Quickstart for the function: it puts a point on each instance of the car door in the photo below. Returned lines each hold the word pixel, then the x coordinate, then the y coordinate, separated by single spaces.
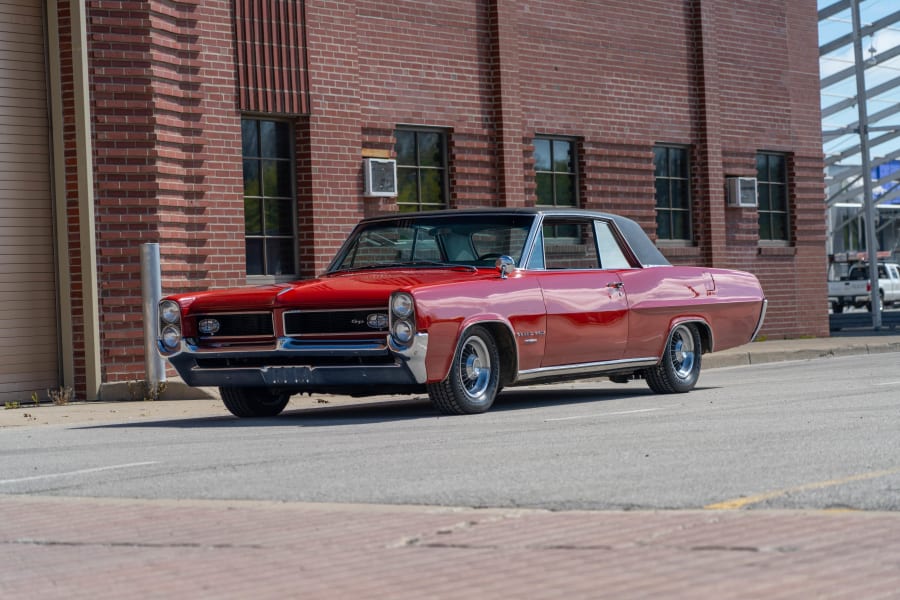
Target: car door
pixel 587 309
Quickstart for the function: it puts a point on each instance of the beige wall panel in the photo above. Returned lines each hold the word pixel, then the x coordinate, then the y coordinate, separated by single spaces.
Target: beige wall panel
pixel 29 341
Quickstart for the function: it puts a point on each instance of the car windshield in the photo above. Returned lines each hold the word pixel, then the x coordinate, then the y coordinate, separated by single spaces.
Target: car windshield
pixel 466 240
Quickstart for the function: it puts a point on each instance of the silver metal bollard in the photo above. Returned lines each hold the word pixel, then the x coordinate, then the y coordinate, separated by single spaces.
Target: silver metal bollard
pixel 151 293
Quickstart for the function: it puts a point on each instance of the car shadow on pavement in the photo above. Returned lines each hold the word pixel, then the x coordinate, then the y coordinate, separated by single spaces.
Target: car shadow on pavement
pixel 401 409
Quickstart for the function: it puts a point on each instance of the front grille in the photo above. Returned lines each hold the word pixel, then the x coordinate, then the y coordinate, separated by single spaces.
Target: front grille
pixel 239 325
pixel 335 322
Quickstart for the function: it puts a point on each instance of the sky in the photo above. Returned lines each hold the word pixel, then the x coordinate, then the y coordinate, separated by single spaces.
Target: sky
pixel 880 41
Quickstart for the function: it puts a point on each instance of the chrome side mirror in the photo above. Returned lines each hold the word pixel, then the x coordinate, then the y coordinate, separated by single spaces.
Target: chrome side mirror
pixel 505 265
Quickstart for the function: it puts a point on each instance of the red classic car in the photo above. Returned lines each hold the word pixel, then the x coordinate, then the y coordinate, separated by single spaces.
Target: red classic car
pixel 461 304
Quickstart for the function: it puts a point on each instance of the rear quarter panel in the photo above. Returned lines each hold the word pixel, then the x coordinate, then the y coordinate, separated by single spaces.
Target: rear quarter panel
pixel 729 302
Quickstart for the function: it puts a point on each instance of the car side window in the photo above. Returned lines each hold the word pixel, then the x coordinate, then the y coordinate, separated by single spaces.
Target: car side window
pixel 611 255
pixel 569 244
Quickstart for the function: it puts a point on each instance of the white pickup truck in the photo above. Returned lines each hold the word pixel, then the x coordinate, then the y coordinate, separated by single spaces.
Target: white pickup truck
pixel 854 289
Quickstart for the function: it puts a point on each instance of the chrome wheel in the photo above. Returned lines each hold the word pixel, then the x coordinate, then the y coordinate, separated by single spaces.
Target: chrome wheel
pixel 682 351
pixel 473 380
pixel 679 365
pixel 475 367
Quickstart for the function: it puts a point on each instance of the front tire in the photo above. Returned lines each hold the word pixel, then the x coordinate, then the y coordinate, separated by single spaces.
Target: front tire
pixel 253 402
pixel 679 369
pixel 474 378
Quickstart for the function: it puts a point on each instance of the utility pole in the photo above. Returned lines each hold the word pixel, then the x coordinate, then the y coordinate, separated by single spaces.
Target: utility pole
pixel 868 200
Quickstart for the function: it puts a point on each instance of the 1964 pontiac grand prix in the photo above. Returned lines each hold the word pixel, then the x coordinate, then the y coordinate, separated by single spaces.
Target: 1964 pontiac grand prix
pixel 461 304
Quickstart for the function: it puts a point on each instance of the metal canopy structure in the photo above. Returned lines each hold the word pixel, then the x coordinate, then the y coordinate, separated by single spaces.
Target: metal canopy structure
pixel 861 117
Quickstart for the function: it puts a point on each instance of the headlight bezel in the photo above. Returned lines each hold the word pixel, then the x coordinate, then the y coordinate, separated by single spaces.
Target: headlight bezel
pixel 169 312
pixel 402 311
pixel 402 305
pixel 170 337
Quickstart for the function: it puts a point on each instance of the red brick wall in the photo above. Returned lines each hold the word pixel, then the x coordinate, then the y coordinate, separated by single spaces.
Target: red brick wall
pixel 726 77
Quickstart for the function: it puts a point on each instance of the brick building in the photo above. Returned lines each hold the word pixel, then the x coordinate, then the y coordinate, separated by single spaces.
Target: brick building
pixel 233 133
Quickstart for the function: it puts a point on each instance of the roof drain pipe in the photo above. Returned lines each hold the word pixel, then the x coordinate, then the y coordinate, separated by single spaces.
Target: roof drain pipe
pixel 151 294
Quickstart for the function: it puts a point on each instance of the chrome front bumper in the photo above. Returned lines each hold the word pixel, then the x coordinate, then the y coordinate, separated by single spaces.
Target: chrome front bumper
pixel 305 366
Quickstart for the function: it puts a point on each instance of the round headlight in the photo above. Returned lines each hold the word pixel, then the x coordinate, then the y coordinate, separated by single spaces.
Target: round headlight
pixel 402 331
pixel 402 305
pixel 171 335
pixel 169 311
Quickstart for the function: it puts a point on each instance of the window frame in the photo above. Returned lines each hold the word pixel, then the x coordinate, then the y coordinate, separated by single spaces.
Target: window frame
pixel 574 173
pixel 671 180
pixel 260 159
pixel 765 185
pixel 444 169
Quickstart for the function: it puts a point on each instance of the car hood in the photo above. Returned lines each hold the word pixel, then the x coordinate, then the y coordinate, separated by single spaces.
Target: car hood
pixel 340 290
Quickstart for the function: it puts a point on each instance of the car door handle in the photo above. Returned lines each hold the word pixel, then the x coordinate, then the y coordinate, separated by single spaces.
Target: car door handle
pixel 618 285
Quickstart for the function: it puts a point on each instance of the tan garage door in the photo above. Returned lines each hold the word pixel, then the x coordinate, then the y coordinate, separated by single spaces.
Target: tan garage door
pixel 28 330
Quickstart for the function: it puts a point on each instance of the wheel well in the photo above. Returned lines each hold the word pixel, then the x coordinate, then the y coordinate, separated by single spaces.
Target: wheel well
pixel 706 340
pixel 506 344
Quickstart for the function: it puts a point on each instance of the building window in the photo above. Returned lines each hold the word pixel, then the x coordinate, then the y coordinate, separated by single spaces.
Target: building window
pixel 269 231
pixel 771 176
pixel 673 192
pixel 421 169
pixel 556 173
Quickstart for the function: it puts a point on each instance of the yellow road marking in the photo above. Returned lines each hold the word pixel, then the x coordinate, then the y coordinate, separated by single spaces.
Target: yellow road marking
pixel 747 500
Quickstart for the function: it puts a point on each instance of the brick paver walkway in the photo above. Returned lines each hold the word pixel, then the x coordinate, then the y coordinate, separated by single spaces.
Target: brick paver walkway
pixel 107 548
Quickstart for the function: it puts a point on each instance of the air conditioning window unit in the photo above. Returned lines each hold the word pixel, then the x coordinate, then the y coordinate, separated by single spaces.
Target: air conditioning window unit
pixel 381 177
pixel 741 191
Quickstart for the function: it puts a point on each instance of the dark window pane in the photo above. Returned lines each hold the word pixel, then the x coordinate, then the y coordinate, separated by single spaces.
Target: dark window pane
pixel 279 217
pixel 251 178
pixel 542 155
pixel 779 226
pixel 562 156
pixel 407 188
pixel 277 178
pixel 255 256
pixel 764 200
pixel 680 225
pixel 544 188
pixel 677 162
pixel 431 152
pixel 662 194
pixel 777 168
pixel 252 216
pixel 660 162
pixel 762 167
pixel 565 190
pixel 405 147
pixel 680 194
pixel 279 256
pixel 275 139
pixel 765 225
pixel 663 228
pixel 432 191
pixel 249 138
pixel 778 197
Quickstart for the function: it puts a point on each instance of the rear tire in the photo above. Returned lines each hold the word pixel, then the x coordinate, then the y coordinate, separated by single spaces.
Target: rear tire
pixel 474 378
pixel 253 402
pixel 679 368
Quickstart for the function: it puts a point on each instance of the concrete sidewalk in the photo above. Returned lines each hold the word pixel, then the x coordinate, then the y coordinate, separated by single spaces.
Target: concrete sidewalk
pixel 181 402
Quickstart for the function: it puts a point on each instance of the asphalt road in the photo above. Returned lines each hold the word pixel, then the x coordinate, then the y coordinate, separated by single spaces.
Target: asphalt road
pixel 813 434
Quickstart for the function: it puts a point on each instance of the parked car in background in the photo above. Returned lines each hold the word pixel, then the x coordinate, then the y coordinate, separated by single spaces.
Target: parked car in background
pixel 856 290
pixel 462 304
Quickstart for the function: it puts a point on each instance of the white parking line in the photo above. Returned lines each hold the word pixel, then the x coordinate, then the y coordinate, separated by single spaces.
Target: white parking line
pixel 609 414
pixel 888 383
pixel 79 472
